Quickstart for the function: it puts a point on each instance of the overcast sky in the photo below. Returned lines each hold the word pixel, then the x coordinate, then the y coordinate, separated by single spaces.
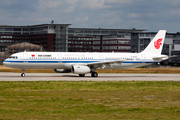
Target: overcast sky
pixel 152 15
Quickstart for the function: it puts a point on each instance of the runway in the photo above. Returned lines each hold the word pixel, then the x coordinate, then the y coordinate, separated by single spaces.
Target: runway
pixel 7 76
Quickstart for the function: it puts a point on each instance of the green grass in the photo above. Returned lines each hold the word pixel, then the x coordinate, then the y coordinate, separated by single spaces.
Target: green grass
pixel 90 100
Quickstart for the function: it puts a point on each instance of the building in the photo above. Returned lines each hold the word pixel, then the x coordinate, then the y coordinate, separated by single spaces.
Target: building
pixel 112 43
pixel 80 44
pixel 139 41
pixel 171 46
pixel 6 49
pixel 99 39
pixel 59 37
pixel 53 37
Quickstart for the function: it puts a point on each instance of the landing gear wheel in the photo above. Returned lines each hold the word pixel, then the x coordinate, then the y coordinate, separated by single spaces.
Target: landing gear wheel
pixel 22 75
pixel 94 74
pixel 81 75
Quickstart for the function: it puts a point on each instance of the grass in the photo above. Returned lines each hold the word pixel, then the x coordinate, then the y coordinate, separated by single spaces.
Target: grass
pixel 132 70
pixel 90 100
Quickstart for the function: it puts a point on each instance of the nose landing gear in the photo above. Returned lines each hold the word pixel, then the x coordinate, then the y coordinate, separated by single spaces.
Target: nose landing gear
pixel 23 73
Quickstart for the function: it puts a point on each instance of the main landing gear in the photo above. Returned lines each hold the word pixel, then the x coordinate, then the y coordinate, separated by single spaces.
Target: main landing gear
pixel 23 73
pixel 81 75
pixel 93 74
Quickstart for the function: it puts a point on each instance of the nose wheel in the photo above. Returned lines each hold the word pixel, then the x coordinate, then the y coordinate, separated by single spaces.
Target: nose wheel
pixel 23 73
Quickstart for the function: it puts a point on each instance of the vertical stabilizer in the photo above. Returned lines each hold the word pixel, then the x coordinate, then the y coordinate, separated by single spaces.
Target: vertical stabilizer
pixel 156 45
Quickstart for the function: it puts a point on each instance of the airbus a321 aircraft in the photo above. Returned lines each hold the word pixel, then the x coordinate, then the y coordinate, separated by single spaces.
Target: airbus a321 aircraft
pixel 83 63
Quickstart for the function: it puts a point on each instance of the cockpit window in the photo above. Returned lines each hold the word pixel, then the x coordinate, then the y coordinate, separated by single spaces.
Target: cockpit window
pixel 13 57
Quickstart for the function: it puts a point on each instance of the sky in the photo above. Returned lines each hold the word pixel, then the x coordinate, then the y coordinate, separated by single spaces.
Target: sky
pixel 151 15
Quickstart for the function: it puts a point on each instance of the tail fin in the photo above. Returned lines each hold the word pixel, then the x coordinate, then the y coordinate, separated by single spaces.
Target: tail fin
pixel 156 45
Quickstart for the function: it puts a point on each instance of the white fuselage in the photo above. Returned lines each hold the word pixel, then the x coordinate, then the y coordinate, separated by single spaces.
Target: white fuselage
pixel 65 60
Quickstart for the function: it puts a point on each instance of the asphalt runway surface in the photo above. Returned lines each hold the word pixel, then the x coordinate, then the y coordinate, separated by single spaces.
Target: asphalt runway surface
pixel 7 76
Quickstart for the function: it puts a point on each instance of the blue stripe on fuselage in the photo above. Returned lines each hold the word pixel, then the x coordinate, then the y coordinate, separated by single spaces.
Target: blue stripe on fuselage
pixel 73 61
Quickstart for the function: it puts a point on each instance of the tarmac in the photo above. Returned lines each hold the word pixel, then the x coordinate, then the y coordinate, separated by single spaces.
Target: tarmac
pixel 7 76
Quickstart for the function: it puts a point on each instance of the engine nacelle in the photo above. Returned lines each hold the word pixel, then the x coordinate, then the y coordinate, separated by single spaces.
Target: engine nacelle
pixel 62 70
pixel 76 69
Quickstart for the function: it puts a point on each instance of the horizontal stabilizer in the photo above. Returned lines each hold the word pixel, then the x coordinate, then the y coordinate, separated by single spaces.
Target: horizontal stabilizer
pixel 160 58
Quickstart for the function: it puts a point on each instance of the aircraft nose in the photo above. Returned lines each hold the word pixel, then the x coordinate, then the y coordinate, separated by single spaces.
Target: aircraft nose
pixel 9 64
pixel 5 63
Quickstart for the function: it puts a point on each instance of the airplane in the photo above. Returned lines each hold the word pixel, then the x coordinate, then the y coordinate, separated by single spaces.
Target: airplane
pixel 83 63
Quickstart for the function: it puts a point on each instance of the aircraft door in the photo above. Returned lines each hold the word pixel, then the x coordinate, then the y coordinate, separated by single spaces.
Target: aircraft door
pixel 143 57
pixel 25 57
pixel 59 58
pixel 101 57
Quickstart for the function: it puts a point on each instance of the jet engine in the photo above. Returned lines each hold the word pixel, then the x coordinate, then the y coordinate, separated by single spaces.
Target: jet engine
pixel 62 70
pixel 76 69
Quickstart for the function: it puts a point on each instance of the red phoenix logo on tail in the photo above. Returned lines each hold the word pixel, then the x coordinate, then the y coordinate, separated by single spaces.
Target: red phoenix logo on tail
pixel 157 44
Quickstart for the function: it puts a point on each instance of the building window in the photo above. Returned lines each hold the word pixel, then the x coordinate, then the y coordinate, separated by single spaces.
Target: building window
pixel 78 31
pixel 105 32
pixel 16 33
pixel 7 32
pixel 16 29
pixel 70 31
pixel 25 29
pixel 87 31
pixel 141 35
pixel 147 35
pixel 7 29
pixel 113 32
pixel 141 41
pixel 51 27
pixel 97 32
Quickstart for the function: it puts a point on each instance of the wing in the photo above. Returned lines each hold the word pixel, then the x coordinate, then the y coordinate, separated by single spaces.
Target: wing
pixel 102 64
pixel 106 62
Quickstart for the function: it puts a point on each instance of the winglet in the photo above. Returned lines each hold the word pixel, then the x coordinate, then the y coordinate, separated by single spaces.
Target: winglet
pixel 156 45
